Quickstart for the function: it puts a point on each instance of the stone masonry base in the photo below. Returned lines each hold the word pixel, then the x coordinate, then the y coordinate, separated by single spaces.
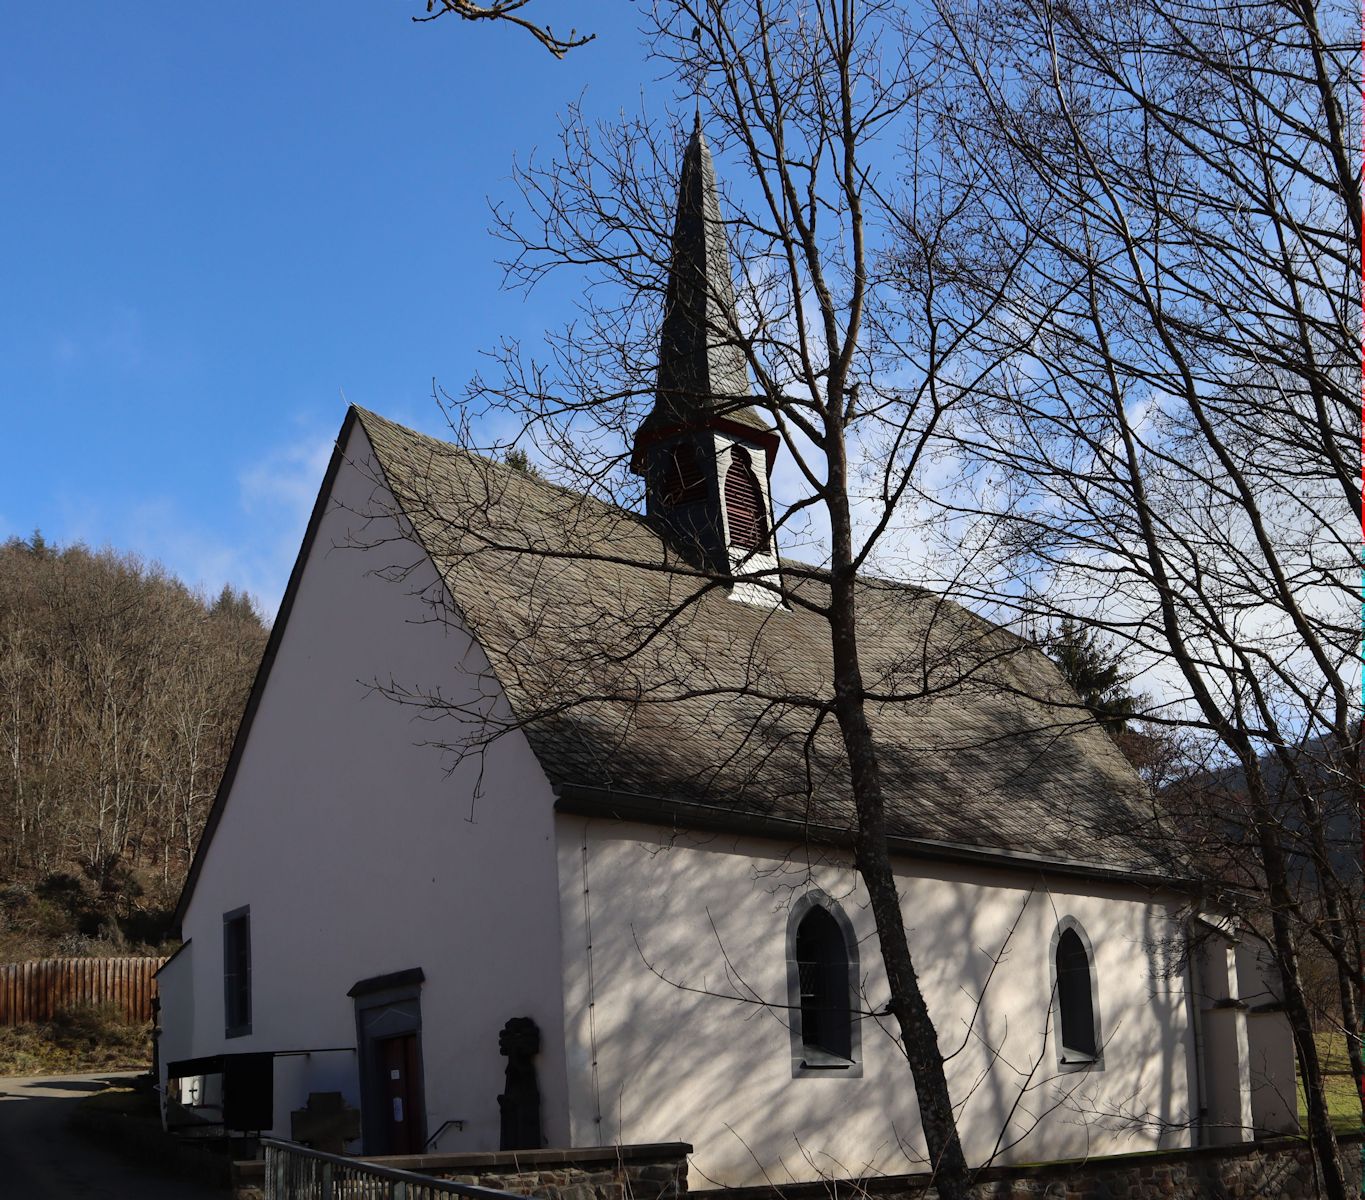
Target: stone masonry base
pixel 1274 1169
pixel 651 1172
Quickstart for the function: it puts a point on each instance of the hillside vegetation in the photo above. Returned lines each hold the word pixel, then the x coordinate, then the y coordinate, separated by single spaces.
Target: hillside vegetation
pixel 92 1037
pixel 120 692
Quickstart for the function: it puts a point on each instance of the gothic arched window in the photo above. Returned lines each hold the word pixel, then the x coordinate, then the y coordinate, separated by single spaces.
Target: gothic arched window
pixel 822 966
pixel 744 507
pixel 822 963
pixel 1076 996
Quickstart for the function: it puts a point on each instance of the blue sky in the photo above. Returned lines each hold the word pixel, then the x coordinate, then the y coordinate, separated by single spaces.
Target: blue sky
pixel 219 218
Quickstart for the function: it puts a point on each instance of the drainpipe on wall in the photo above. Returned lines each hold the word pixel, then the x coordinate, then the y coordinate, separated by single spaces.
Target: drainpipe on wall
pixel 1197 1035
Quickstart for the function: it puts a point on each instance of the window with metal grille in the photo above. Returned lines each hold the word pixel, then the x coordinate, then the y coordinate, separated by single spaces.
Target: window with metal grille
pixel 744 508
pixel 822 964
pixel 237 972
pixel 1075 999
pixel 684 481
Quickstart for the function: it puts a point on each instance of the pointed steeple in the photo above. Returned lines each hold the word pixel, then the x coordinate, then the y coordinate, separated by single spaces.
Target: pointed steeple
pixel 702 368
pixel 701 364
pixel 706 453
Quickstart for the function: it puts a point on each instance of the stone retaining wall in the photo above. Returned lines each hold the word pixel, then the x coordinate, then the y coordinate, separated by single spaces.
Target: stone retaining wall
pixel 652 1172
pixel 657 1172
pixel 1275 1169
pixel 1278 1169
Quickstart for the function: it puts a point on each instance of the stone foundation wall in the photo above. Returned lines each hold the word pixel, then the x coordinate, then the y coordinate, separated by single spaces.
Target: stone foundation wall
pixel 612 1173
pixel 1279 1169
pixel 653 1172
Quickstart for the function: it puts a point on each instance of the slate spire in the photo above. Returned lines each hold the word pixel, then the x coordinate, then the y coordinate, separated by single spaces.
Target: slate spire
pixel 701 365
pixel 704 451
pixel 703 374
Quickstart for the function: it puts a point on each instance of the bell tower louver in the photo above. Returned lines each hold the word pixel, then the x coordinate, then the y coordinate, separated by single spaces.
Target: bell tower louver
pixel 705 452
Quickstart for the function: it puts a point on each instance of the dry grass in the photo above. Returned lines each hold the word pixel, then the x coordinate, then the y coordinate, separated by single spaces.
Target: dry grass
pixel 79 1039
pixel 1332 1052
pixel 1343 1104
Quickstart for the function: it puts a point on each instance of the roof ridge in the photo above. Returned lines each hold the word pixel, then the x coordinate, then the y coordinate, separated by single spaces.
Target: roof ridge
pixel 980 757
pixel 484 460
pixel 803 566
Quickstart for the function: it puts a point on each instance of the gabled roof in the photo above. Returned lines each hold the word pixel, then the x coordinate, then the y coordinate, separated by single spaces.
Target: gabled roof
pixel 708 724
pixel 634 678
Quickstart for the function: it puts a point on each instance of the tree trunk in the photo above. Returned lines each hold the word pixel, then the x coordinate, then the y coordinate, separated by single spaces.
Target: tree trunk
pixel 1320 1134
pixel 919 1038
pixel 918 1035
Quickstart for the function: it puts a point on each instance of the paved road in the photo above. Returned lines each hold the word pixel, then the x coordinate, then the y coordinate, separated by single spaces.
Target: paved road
pixel 40 1159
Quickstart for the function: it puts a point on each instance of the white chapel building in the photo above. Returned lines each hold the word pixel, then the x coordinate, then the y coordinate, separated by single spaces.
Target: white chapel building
pixel 514 753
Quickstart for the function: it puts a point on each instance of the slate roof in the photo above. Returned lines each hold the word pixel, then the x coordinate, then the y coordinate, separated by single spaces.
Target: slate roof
pixel 628 672
pixel 702 368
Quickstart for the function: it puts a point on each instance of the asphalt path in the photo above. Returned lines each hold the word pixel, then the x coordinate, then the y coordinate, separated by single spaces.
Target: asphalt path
pixel 41 1159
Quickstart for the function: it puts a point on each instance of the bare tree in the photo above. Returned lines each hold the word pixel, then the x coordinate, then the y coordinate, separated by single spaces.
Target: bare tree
pixel 820 350
pixel 1175 457
pixel 510 12
pixel 800 96
pixel 120 689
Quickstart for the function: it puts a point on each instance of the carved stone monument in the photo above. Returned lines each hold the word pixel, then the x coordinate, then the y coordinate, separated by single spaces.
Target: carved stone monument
pixel 520 1102
pixel 326 1123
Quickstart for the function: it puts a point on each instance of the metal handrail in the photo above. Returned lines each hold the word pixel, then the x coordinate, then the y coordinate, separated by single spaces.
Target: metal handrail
pixel 404 1185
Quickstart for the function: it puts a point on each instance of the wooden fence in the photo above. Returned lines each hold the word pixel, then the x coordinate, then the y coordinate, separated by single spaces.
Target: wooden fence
pixel 34 991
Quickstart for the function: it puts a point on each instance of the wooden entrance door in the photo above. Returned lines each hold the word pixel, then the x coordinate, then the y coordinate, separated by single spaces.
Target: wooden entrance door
pixel 403 1109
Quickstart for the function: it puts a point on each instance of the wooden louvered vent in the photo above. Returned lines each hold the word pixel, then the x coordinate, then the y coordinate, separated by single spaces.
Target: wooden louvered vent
pixel 685 482
pixel 744 507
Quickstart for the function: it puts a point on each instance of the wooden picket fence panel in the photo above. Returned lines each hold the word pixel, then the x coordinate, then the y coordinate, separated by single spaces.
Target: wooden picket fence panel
pixel 34 991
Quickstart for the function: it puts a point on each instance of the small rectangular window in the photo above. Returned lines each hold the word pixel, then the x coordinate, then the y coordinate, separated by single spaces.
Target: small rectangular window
pixel 237 972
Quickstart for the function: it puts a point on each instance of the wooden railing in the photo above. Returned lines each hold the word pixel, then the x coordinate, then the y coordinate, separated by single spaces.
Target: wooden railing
pixel 35 991
pixel 294 1172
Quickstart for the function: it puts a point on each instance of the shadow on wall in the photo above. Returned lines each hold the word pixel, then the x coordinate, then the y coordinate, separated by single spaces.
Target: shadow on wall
pixel 690 1023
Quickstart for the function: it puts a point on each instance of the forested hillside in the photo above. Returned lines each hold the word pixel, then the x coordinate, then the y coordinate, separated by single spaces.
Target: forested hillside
pixel 120 691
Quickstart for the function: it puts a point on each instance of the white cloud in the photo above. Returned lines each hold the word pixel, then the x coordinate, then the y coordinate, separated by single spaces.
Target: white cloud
pixel 285 481
pixel 117 342
pixel 250 544
pixel 276 495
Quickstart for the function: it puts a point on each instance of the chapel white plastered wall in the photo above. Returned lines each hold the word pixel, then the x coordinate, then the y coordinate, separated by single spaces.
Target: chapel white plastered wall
pixel 675 1063
pixel 359 857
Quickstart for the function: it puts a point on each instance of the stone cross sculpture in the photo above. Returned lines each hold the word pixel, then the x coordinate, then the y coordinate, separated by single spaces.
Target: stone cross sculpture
pixel 520 1102
pixel 326 1123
